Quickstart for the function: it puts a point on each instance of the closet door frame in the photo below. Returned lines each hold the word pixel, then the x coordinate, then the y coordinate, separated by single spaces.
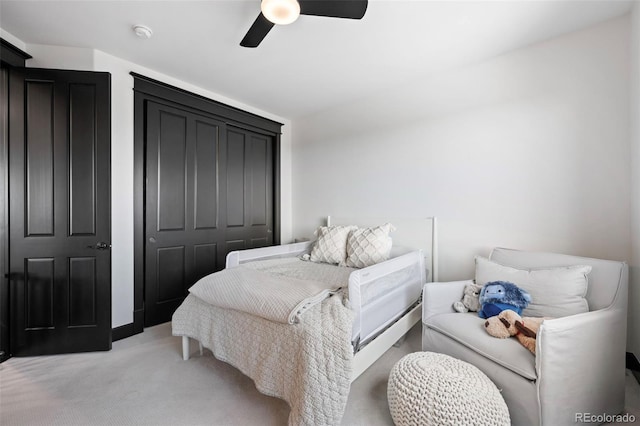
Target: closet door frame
pixel 147 89
pixel 10 57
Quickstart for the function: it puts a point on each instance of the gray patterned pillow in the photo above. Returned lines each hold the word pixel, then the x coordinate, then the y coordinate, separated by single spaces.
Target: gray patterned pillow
pixel 368 246
pixel 331 245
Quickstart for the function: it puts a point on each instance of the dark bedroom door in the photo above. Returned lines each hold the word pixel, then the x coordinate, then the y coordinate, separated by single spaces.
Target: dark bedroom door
pixel 209 190
pixel 59 211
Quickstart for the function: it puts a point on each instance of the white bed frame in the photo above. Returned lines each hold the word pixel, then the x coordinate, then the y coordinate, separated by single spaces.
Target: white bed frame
pixel 418 233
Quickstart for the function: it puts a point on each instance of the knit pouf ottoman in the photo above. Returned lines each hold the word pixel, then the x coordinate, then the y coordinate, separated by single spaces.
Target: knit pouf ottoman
pixel 427 388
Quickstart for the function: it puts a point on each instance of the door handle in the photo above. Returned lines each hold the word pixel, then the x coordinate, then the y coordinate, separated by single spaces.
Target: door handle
pixel 101 246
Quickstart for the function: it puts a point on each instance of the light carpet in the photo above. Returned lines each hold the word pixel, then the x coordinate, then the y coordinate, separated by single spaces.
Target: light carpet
pixel 143 381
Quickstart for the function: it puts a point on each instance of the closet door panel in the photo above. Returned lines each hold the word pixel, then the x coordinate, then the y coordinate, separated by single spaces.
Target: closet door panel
pixel 202 255
pixel 235 179
pixel 206 176
pixel 166 227
pixel 258 169
pixel 170 171
pixel 183 236
pixel 250 188
pixel 171 273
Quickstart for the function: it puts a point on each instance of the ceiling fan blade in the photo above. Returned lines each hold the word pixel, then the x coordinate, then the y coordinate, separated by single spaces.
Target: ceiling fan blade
pixel 352 9
pixel 260 28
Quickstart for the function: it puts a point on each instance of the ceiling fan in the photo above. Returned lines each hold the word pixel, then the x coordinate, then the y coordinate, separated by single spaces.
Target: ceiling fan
pixel 283 12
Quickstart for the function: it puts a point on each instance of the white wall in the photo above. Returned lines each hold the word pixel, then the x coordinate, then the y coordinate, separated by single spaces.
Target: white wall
pixel 634 284
pixel 529 150
pixel 122 155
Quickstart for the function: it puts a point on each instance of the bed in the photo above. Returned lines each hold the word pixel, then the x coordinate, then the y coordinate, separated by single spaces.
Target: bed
pixel 305 362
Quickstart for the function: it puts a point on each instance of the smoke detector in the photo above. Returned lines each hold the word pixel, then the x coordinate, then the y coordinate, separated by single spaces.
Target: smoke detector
pixel 142 31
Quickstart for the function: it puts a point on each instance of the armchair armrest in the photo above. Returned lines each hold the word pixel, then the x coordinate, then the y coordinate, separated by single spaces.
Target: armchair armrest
pixel 580 365
pixel 438 297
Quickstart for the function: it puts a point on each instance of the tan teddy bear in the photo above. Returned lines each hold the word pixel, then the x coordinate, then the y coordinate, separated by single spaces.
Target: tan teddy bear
pixel 508 323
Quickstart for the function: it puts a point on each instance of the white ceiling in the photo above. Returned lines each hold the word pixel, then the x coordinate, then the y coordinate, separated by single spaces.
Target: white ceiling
pixel 312 64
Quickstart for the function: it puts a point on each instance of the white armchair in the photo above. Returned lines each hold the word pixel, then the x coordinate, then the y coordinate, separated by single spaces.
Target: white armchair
pixel 579 366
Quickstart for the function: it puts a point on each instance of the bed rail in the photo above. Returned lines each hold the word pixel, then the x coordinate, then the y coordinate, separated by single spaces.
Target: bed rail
pixel 380 293
pixel 235 258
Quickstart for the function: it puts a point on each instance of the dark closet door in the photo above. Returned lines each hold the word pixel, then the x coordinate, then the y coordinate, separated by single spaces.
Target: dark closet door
pixel 59 207
pixel 184 218
pixel 209 190
pixel 249 201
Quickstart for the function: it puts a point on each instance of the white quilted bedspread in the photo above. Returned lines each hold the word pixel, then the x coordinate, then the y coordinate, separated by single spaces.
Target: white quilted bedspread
pixel 278 289
pixel 307 364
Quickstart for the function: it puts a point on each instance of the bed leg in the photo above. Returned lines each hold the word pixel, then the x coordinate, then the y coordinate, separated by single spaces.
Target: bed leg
pixel 185 348
pixel 201 349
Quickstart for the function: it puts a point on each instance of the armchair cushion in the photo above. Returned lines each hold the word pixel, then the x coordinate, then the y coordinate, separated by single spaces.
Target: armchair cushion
pixel 468 330
pixel 555 292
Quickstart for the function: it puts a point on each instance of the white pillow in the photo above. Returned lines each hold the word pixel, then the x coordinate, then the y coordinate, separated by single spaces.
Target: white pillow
pixel 368 246
pixel 331 245
pixel 555 292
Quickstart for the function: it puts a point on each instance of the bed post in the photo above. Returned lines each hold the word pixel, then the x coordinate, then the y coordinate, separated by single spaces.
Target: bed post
pixel 185 348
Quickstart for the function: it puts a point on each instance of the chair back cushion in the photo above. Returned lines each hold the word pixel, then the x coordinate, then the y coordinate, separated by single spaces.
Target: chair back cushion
pixel 555 292
pixel 604 280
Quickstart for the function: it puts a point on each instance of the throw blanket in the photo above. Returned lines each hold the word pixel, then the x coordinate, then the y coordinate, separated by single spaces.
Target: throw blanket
pixel 307 364
pixel 271 289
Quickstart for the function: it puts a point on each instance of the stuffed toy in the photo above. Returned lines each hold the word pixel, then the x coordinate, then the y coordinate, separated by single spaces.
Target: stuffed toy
pixel 508 323
pixel 496 296
pixel 470 299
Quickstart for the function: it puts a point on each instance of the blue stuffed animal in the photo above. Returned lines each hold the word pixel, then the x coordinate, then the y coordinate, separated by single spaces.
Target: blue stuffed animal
pixel 497 296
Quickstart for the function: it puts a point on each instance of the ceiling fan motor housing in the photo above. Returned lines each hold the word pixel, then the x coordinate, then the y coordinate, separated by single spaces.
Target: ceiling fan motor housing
pixel 280 12
pixel 284 12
